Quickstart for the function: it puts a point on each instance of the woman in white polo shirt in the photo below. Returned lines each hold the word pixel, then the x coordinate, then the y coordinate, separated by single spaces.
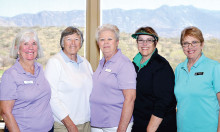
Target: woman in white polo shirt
pixel 70 78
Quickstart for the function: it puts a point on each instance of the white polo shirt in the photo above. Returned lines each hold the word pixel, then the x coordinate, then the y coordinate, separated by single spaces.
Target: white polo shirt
pixel 71 84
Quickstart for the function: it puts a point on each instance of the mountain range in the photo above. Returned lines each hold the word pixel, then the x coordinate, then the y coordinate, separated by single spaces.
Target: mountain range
pixel 168 21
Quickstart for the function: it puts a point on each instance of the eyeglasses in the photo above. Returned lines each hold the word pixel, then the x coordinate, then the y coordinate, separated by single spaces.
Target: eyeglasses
pixel 193 44
pixel 148 41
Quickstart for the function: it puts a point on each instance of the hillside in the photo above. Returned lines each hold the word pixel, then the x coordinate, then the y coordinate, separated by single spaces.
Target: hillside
pixel 49 39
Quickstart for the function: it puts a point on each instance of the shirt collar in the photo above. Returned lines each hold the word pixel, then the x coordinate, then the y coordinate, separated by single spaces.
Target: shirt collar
pixel 67 59
pixel 114 58
pixel 138 57
pixel 21 70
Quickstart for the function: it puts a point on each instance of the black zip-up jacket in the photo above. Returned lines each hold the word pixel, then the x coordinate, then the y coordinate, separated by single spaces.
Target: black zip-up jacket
pixel 155 92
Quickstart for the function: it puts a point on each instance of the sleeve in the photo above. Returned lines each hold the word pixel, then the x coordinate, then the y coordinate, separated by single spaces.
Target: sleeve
pixel 52 73
pixel 163 89
pixel 90 67
pixel 216 80
pixel 127 76
pixel 8 87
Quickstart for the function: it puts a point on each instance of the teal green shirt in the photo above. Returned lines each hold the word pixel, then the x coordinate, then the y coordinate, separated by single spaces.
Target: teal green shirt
pixel 195 91
pixel 137 60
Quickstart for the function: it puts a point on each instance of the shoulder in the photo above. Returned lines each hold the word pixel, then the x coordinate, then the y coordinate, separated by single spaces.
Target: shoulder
pixel 56 59
pixel 10 74
pixel 11 71
pixel 210 61
pixel 124 59
pixel 85 61
pixel 179 65
pixel 160 62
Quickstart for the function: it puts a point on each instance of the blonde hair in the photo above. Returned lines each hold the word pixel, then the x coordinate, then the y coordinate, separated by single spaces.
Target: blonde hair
pixel 193 32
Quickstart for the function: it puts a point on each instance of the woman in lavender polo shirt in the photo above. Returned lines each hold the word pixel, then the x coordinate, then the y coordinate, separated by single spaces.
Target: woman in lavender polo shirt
pixel 114 85
pixel 24 91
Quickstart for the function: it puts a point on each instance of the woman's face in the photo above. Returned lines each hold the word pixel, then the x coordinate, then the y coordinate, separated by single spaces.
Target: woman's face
pixel 146 45
pixel 72 44
pixel 28 49
pixel 192 47
pixel 107 42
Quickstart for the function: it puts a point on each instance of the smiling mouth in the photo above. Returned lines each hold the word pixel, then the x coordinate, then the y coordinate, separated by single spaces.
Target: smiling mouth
pixel 191 52
pixel 30 53
pixel 145 48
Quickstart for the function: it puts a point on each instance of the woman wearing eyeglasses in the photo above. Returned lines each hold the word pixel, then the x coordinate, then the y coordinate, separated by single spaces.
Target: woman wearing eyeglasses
pixel 196 86
pixel 155 103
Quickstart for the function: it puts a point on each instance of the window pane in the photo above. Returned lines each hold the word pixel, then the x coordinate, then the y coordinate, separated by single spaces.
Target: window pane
pixel 47 17
pixel 168 18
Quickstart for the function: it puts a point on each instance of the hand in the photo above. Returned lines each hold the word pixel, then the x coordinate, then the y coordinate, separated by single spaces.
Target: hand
pixel 72 128
pixel 149 130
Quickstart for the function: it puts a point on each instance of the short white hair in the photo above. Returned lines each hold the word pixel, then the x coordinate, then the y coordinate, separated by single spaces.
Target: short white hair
pixel 107 27
pixel 22 36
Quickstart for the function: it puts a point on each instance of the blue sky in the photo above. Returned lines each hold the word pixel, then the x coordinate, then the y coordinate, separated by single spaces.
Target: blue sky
pixel 14 7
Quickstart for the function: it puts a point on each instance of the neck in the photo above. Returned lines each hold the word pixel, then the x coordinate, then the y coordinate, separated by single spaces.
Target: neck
pixel 73 57
pixel 28 66
pixel 191 62
pixel 108 56
pixel 144 58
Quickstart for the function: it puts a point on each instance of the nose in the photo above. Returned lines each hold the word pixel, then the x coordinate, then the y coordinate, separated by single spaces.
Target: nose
pixel 30 46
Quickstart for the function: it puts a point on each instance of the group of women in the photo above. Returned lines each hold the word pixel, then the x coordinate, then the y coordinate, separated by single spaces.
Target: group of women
pixel 120 96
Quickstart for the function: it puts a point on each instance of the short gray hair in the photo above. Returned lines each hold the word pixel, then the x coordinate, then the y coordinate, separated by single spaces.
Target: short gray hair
pixel 107 27
pixel 24 35
pixel 69 31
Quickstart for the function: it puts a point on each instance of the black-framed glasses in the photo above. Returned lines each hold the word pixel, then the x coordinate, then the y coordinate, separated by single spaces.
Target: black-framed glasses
pixel 193 44
pixel 147 41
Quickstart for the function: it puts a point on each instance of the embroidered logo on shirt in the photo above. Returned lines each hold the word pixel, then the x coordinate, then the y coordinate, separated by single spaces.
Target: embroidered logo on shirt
pixel 199 73
pixel 28 82
pixel 108 70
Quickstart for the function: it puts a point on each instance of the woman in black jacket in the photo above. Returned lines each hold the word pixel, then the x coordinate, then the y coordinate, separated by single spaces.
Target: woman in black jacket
pixel 155 104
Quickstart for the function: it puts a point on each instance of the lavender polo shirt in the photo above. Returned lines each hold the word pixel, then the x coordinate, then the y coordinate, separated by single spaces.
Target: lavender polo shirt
pixel 32 94
pixel 107 98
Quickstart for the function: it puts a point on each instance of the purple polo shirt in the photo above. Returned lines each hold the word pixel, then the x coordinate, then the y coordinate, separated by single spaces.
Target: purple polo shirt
pixel 32 94
pixel 107 98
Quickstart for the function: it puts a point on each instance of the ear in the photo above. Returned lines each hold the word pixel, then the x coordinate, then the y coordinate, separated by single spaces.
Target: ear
pixel 15 48
pixel 117 42
pixel 202 45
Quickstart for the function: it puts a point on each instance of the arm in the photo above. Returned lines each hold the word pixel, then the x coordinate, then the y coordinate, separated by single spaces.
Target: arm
pixel 127 110
pixel 154 123
pixel 163 90
pixel 216 84
pixel 218 96
pixel 6 113
pixel 71 127
pixel 52 73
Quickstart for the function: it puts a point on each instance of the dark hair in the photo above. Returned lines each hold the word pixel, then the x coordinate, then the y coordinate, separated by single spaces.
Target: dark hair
pixel 69 31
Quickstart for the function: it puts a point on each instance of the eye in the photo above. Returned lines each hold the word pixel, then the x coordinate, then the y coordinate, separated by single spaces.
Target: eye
pixel 109 39
pixel 101 39
pixel 25 43
pixel 34 43
pixel 185 43
pixel 68 39
pixel 150 40
pixel 194 42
